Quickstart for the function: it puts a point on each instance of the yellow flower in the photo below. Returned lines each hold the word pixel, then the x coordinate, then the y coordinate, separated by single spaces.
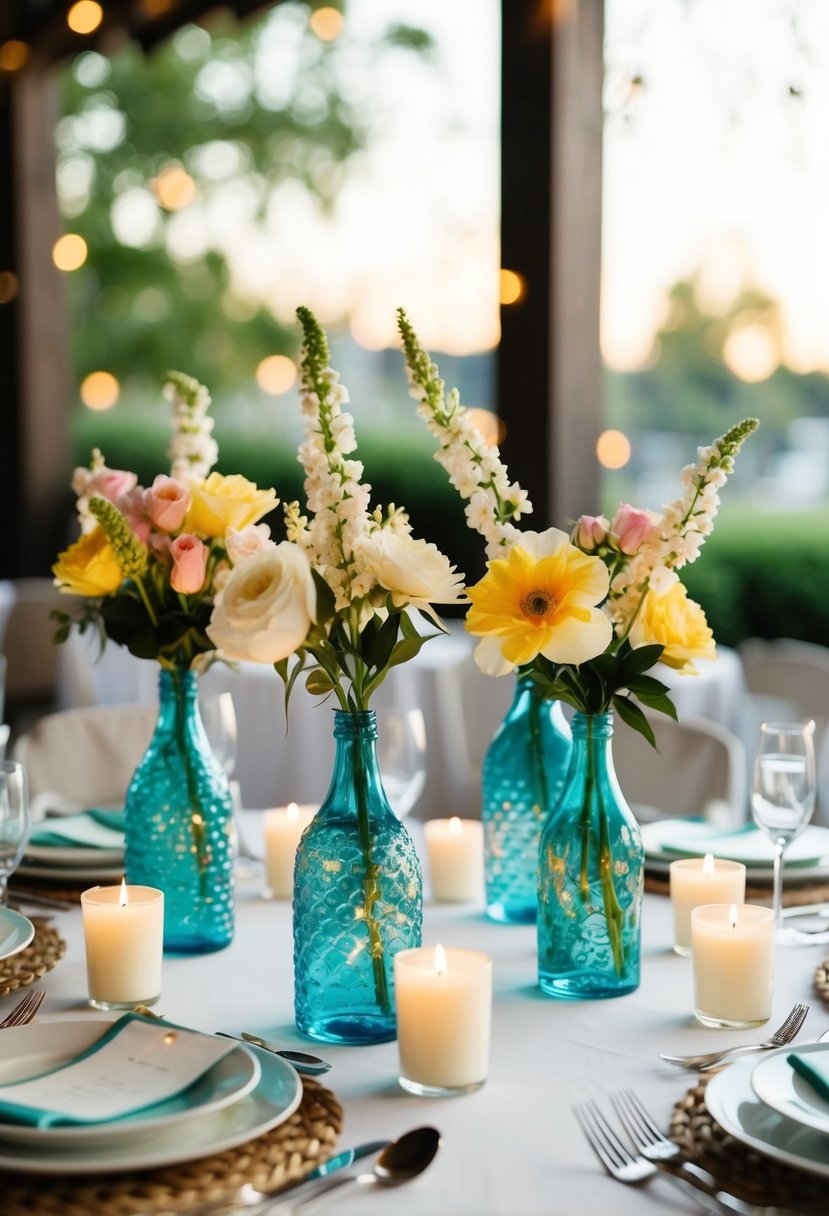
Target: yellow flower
pixel 222 502
pixel 539 599
pixel 88 567
pixel 676 622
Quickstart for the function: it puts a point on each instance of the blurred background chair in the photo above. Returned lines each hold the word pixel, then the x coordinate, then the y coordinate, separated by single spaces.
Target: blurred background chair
pixel 698 769
pixel 787 680
pixel 84 757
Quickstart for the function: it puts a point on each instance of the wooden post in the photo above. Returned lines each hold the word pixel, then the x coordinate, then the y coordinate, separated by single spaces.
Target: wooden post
pixel 549 366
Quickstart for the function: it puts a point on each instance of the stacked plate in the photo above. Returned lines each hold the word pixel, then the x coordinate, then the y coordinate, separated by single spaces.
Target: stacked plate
pixel 807 858
pixel 242 1096
pixel 85 847
pixel 771 1108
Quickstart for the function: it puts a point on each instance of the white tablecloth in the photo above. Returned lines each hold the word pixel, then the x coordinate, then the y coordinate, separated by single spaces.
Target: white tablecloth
pixel 462 710
pixel 513 1148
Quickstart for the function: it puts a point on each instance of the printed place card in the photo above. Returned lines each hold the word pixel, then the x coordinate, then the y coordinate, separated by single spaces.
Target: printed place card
pixel 136 1064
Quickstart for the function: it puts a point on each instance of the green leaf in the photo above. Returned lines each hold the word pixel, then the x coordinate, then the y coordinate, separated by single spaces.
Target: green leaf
pixel 637 661
pixel 634 717
pixel 319 683
pixel 653 693
pixel 405 649
pixel 289 685
pixel 384 645
pixel 325 598
pixel 647 684
pixel 281 669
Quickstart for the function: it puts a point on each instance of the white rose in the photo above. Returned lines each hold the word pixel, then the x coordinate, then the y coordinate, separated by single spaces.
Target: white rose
pixel 266 607
pixel 414 571
pixel 255 538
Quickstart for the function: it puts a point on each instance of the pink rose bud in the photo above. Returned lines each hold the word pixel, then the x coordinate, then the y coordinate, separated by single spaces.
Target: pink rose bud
pixel 189 564
pixel 630 528
pixel 167 502
pixel 590 532
pixel 110 483
pixel 131 506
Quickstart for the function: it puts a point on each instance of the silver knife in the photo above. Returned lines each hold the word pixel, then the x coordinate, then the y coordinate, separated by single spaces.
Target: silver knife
pixel 312 1066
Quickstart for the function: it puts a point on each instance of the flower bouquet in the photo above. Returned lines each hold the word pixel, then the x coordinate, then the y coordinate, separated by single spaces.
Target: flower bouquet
pixel 334 603
pixel 146 569
pixel 583 618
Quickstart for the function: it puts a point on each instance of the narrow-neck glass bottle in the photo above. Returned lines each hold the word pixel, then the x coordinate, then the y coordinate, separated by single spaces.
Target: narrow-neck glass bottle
pixel 179 824
pixel 590 877
pixel 523 775
pixel 358 898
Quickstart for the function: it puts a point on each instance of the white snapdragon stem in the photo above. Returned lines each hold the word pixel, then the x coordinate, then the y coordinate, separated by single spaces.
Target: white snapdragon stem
pixel 193 450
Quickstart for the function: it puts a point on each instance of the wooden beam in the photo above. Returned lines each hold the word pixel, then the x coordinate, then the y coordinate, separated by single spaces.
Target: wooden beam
pixel 549 364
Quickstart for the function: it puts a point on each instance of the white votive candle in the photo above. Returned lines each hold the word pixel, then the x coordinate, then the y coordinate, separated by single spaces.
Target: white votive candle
pixel 444 1010
pixel 455 853
pixel 732 947
pixel 702 880
pixel 284 826
pixel 123 931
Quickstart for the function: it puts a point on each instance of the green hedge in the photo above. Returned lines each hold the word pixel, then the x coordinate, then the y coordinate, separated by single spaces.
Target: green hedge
pixel 765 576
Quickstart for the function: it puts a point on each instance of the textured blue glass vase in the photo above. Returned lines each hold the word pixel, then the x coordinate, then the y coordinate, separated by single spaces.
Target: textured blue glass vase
pixel 590 876
pixel 358 898
pixel 523 774
pixel 179 824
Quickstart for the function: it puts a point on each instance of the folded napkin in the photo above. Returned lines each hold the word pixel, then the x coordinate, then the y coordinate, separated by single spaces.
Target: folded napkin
pixel 814 1068
pixel 93 829
pixel 696 837
pixel 136 1065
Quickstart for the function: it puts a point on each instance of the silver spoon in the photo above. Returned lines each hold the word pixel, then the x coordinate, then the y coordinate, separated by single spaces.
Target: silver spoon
pixel 312 1066
pixel 399 1161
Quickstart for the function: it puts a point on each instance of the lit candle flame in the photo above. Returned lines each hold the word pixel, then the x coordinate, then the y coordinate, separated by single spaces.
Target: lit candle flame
pixel 454 827
pixel 122 897
pixel 708 866
pixel 732 916
pixel 440 960
pixel 292 812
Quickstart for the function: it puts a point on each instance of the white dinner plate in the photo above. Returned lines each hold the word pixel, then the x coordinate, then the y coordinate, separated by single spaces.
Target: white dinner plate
pixel 26 1051
pixel 776 1083
pixel 16 932
pixel 58 856
pixel 658 860
pixel 88 873
pixel 734 1104
pixel 272 1100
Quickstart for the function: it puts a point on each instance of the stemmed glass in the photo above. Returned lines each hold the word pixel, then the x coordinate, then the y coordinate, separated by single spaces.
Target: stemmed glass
pixel 14 821
pixel 401 755
pixel 783 798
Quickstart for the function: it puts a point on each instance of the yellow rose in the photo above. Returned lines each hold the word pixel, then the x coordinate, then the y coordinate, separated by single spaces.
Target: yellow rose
pixel 677 623
pixel 222 502
pixel 88 567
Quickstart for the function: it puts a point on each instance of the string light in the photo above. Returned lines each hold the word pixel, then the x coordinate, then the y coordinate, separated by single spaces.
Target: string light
pixel 69 251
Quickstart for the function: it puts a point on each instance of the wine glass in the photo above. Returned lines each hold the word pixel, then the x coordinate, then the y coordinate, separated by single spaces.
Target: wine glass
pixel 14 821
pixel 783 798
pixel 401 755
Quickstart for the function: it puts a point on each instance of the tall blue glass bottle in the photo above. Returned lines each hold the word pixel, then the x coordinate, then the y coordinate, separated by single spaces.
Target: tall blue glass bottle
pixel 590 877
pixel 358 898
pixel 179 824
pixel 523 774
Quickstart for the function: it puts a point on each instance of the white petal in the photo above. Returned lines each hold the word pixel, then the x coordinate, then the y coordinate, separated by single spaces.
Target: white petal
pixel 577 641
pixel 543 544
pixel 490 660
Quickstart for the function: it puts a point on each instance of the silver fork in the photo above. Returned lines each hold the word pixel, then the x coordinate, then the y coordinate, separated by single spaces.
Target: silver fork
pixel 25 1010
pixel 781 1037
pixel 633 1170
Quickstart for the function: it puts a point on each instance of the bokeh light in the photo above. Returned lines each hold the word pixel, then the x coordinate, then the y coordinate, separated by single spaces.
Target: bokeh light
pixel 13 54
pixel 100 391
pixel 613 449
pixel 493 429
pixel 174 188
pixel 327 23
pixel 750 353
pixel 9 286
pixel 276 374
pixel 84 16
pixel 512 288
pixel 69 251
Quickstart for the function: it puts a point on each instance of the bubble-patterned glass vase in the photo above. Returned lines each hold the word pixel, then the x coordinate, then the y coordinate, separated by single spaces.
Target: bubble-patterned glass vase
pixel 590 877
pixel 523 775
pixel 358 898
pixel 179 823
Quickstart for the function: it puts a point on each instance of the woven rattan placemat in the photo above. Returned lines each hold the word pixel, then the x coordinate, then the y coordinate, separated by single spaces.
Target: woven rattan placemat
pixel 822 981
pixel 43 951
pixel 285 1154
pixel 748 1174
pixel 759 893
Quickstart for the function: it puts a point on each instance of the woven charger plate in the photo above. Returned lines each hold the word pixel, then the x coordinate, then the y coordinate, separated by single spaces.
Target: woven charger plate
pixel 756 893
pixel 822 981
pixel 746 1173
pixel 45 949
pixel 285 1154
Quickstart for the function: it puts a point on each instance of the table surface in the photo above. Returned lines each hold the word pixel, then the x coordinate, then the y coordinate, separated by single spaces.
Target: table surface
pixel 513 1148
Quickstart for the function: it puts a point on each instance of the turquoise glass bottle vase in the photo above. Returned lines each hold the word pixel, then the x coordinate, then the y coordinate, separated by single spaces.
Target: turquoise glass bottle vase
pixel 358 898
pixel 179 824
pixel 523 774
pixel 590 877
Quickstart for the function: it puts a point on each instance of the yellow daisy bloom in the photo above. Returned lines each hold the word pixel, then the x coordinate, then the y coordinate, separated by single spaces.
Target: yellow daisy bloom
pixel 539 599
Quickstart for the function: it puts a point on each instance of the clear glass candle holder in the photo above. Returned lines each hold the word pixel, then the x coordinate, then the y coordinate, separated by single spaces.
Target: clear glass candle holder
pixel 732 949
pixel 124 937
